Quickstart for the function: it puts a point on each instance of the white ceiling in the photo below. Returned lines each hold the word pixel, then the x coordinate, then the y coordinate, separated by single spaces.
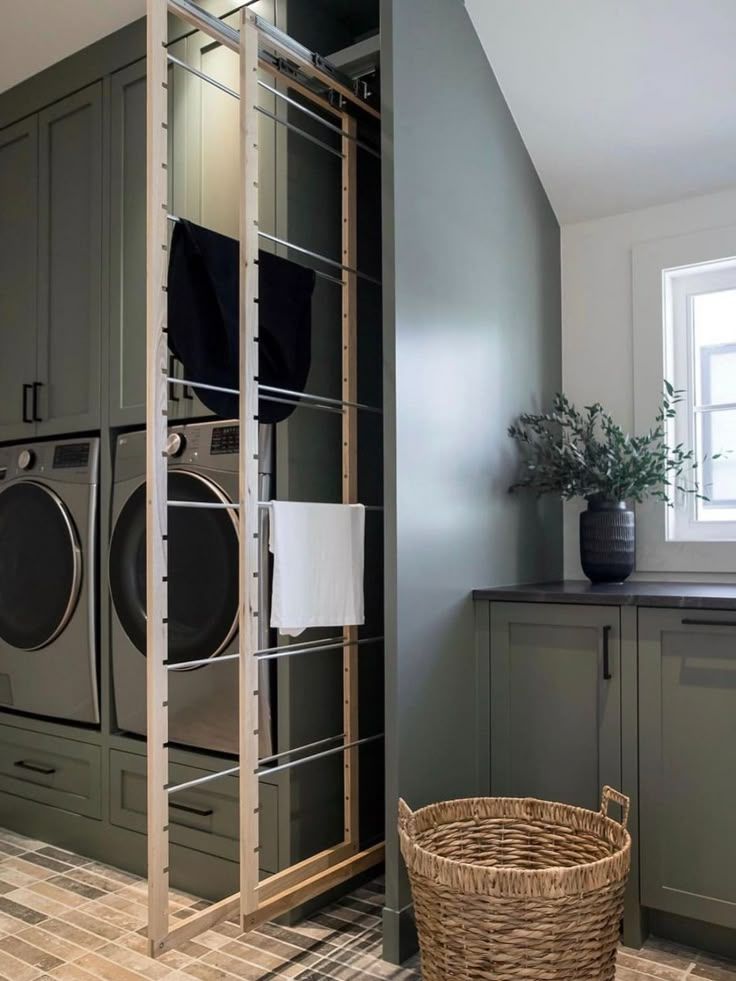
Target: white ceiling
pixel 621 103
pixel 38 33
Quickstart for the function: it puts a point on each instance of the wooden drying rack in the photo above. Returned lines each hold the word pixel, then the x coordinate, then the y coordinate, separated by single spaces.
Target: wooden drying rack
pixel 257 901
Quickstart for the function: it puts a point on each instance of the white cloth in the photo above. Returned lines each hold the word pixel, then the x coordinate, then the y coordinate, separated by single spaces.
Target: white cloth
pixel 318 552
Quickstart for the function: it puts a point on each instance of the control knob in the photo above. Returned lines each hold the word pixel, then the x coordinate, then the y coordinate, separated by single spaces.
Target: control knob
pixel 176 443
pixel 26 459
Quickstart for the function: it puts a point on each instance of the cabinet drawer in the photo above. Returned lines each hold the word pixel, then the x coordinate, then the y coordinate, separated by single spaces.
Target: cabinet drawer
pixel 50 770
pixel 204 818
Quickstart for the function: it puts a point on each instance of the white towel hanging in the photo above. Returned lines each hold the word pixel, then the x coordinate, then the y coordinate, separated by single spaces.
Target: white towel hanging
pixel 318 554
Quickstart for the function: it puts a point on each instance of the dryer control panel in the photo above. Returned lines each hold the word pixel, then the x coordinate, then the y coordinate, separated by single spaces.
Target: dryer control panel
pixel 71 461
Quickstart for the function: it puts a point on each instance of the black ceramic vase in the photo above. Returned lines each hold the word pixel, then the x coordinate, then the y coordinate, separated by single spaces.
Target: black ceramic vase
pixel 607 540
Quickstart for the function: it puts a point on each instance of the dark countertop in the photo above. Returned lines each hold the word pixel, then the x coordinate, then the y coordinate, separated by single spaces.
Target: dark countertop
pixel 683 595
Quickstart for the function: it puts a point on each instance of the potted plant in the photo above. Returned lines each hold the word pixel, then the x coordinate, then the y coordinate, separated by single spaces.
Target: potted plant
pixel 586 454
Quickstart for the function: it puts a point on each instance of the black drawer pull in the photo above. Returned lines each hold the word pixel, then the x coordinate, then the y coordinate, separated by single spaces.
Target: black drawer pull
pixel 606 654
pixel 36 416
pixel 26 390
pixel 35 767
pixel 188 809
pixel 708 623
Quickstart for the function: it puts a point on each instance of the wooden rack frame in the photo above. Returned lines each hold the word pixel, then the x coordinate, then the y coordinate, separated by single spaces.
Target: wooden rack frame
pixel 257 901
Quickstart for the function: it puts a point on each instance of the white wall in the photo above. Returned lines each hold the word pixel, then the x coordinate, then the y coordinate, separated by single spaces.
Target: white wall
pixel 597 329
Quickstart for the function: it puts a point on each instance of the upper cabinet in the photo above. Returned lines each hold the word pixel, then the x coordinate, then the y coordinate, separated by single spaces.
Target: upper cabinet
pixel 555 702
pixel 687 763
pixel 204 154
pixel 128 245
pixel 18 278
pixel 51 269
pixel 70 263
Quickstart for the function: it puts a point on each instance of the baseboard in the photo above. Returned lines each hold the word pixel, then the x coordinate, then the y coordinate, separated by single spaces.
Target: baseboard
pixel 693 933
pixel 399 934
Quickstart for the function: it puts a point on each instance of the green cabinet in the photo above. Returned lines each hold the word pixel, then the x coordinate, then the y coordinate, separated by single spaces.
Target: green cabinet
pixel 18 261
pixel 687 760
pixel 70 263
pixel 62 773
pixel 127 347
pixel 51 269
pixel 127 390
pixel 555 701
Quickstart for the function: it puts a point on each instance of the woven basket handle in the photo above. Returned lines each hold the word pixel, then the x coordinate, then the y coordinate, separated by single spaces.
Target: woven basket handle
pixel 405 812
pixel 609 794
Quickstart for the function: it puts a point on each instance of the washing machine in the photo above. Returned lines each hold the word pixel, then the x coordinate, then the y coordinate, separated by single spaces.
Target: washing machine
pixel 202 582
pixel 48 579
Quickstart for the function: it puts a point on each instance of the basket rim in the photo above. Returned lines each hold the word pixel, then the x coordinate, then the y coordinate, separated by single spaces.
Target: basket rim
pixel 550 881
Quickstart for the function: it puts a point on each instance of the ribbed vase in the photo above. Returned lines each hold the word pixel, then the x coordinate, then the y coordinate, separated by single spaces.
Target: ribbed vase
pixel 607 541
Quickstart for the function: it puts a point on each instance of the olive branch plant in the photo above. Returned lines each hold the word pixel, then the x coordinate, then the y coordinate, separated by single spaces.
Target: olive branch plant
pixel 573 453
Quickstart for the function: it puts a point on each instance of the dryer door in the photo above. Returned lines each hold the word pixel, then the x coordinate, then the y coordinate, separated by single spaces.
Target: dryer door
pixel 40 565
pixel 203 569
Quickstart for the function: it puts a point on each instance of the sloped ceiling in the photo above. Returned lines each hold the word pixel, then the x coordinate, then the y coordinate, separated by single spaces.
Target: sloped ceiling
pixel 38 33
pixel 621 103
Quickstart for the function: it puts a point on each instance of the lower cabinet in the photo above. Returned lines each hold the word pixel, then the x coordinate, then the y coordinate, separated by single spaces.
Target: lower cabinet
pixel 50 770
pixel 555 701
pixel 687 763
pixel 204 818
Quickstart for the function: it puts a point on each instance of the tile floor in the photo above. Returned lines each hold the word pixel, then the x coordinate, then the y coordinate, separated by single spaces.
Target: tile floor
pixel 67 918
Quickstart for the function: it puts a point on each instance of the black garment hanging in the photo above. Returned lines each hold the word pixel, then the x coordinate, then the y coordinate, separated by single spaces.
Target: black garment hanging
pixel 203 328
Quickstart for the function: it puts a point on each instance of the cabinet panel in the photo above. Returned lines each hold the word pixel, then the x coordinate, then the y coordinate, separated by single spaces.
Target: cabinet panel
pixel 70 262
pixel 18 257
pixel 687 759
pixel 50 770
pixel 555 718
pixel 128 232
pixel 128 245
pixel 205 818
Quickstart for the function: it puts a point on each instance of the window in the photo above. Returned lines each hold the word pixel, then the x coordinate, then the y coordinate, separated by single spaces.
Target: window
pixel 700 357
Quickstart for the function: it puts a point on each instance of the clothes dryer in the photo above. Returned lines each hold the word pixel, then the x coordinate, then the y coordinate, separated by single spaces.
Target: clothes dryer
pixel 48 579
pixel 203 553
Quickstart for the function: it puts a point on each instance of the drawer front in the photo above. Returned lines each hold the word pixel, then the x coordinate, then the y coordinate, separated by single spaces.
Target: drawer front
pixel 204 818
pixel 50 770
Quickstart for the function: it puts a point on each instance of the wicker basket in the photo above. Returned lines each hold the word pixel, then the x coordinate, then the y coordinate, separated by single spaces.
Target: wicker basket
pixel 508 889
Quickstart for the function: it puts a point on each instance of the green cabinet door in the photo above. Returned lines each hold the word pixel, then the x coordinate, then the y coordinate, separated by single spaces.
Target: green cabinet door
pixel 18 256
pixel 70 263
pixel 128 245
pixel 128 237
pixel 555 701
pixel 687 763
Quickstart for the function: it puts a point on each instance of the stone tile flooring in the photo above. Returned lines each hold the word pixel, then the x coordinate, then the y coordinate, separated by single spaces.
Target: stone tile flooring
pixel 67 918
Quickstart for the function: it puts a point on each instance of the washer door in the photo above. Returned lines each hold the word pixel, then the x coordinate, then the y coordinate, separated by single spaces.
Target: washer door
pixel 40 565
pixel 203 569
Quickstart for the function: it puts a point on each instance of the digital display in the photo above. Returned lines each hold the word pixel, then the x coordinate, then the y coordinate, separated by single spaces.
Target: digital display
pixel 71 456
pixel 225 439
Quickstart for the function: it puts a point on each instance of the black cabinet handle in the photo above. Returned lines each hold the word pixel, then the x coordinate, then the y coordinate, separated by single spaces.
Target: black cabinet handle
pixel 35 767
pixel 708 623
pixel 606 654
pixel 173 397
pixel 26 390
pixel 188 395
pixel 189 809
pixel 36 387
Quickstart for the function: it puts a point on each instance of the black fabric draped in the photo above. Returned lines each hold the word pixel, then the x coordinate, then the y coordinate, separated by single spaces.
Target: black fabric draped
pixel 203 299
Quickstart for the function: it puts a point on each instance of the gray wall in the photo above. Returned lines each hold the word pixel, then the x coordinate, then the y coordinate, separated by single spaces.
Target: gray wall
pixel 471 338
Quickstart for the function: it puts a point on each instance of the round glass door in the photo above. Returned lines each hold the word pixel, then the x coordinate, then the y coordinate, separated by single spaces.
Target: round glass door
pixel 203 569
pixel 40 565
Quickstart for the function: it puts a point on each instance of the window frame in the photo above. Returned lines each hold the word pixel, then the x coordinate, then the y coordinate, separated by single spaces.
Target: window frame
pixel 680 286
pixel 656 551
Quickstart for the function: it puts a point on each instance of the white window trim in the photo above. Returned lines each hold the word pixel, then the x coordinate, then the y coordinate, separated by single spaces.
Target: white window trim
pixel 679 286
pixel 652 363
